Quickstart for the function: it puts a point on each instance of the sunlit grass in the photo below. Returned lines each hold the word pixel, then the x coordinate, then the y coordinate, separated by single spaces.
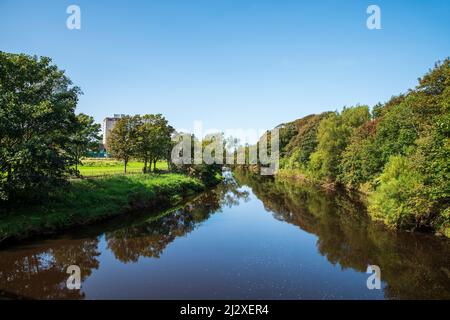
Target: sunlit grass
pixel 107 167
pixel 85 201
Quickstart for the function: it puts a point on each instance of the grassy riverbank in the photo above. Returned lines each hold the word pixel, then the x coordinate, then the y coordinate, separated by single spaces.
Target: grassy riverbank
pixel 90 200
pixel 107 167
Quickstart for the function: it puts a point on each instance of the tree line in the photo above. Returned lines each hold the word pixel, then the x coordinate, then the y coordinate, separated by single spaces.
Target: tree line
pixel 398 152
pixel 148 138
pixel 43 140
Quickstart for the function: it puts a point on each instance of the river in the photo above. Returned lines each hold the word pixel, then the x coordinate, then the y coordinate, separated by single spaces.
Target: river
pixel 249 238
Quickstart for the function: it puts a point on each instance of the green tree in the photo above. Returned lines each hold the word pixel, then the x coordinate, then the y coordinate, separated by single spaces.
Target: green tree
pixel 123 140
pixel 360 161
pixel 154 142
pixel 145 148
pixel 301 146
pixel 333 136
pixel 85 139
pixel 397 130
pixel 37 119
pixel 163 140
pixel 399 199
pixel 413 139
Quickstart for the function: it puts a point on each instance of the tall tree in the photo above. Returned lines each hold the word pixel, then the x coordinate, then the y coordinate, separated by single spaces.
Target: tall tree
pixel 144 148
pixel 86 137
pixel 37 118
pixel 163 140
pixel 123 140
pixel 154 139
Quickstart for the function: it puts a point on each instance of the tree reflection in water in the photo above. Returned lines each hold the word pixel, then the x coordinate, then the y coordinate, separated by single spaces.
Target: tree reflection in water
pixel 149 239
pixel 414 266
pixel 39 270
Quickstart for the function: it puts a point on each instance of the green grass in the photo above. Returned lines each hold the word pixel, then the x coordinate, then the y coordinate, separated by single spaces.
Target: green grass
pixel 89 200
pixel 106 167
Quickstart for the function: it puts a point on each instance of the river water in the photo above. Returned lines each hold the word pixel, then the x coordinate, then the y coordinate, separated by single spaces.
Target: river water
pixel 249 238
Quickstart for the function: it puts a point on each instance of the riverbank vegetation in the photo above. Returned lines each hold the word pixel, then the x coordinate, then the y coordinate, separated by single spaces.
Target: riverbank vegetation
pixel 398 153
pixel 89 200
pixel 43 145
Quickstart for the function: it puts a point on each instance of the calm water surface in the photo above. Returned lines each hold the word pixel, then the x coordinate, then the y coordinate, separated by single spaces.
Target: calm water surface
pixel 248 238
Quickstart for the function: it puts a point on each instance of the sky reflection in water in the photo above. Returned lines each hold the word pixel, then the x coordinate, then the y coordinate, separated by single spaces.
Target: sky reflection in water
pixel 249 238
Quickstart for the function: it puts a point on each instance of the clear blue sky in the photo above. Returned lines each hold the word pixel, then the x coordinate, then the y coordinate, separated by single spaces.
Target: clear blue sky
pixel 231 63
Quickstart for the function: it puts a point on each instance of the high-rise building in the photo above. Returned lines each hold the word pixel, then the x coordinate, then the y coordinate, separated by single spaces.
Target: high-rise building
pixel 108 125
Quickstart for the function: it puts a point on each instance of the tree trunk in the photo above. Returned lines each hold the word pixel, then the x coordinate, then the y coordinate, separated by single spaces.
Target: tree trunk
pixel 150 161
pixel 154 165
pixel 125 162
pixel 145 165
pixel 77 158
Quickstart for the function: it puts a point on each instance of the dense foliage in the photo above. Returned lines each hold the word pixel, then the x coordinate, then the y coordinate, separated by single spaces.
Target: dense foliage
pixel 86 138
pixel 147 137
pixel 398 153
pixel 41 137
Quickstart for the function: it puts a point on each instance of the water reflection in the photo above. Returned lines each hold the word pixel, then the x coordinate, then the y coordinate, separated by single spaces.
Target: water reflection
pixel 413 265
pixel 38 270
pixel 150 238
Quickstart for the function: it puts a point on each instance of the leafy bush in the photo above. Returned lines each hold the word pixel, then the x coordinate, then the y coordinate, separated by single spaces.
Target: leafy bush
pixel 399 200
